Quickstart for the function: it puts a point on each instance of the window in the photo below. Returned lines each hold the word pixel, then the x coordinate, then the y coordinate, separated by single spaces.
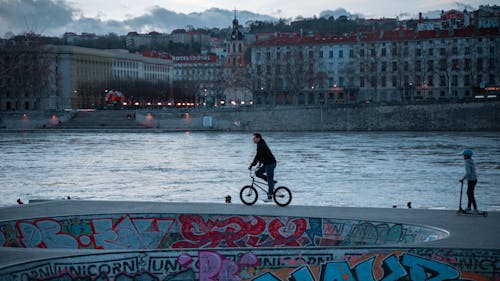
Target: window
pixel 330 54
pixel 442 64
pixel 361 82
pixel 394 66
pixel 467 64
pixel 341 53
pixel 442 81
pixel 467 80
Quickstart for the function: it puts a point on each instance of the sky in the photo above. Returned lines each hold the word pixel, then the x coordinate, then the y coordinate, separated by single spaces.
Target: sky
pixel 54 17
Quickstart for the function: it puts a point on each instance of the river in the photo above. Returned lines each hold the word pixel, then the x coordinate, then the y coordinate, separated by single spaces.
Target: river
pixel 350 169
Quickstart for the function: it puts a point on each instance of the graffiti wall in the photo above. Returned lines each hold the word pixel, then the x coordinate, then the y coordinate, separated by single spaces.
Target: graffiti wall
pixel 318 264
pixel 184 231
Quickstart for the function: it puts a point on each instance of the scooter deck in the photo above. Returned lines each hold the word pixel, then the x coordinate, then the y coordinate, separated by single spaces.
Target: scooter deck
pixel 465 213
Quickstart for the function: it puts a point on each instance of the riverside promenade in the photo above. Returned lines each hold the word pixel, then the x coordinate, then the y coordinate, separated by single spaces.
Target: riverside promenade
pixel 115 240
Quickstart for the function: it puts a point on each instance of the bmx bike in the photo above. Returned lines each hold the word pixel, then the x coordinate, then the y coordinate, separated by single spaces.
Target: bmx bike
pixel 248 194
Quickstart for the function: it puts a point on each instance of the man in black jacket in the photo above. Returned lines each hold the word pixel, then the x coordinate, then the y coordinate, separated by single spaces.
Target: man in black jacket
pixel 266 159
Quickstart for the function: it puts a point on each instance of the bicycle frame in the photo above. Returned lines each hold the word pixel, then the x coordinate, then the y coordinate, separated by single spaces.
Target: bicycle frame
pixel 257 183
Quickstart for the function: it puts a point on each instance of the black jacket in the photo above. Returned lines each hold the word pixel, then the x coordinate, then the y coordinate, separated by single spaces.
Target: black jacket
pixel 264 154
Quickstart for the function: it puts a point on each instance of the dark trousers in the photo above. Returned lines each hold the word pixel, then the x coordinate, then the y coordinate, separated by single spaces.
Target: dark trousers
pixel 470 194
pixel 268 176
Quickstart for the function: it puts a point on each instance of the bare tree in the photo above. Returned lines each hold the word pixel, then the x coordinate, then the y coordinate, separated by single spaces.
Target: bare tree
pixel 27 71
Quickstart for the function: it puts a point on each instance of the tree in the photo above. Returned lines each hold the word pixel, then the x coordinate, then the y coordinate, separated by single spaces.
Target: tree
pixel 27 71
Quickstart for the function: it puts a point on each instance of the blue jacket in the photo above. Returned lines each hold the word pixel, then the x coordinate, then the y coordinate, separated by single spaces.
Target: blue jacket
pixel 470 170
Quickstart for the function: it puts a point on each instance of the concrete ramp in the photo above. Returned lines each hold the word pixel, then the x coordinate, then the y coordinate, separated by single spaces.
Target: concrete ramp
pixel 103 240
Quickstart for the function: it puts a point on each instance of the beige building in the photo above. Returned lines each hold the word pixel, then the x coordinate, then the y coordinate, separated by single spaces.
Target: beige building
pixel 76 77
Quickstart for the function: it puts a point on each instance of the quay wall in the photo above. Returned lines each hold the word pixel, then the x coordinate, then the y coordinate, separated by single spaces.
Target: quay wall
pixel 434 117
pixel 480 116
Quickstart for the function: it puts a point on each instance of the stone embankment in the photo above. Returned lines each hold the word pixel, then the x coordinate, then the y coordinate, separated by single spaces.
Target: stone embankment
pixel 418 117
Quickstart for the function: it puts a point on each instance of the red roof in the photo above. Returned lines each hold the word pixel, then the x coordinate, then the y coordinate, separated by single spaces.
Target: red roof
pixel 379 35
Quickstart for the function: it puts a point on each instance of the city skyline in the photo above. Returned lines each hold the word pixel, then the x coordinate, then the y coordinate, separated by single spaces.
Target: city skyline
pixel 54 18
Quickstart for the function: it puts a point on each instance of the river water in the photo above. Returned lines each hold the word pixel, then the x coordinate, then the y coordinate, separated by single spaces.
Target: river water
pixel 353 169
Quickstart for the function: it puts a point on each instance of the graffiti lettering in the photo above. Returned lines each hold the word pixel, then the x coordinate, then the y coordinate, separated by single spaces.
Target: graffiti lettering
pixel 212 233
pixel 45 234
pixel 204 231
pixel 231 266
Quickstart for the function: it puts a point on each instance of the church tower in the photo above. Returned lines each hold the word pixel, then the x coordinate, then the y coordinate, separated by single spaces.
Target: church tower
pixel 235 46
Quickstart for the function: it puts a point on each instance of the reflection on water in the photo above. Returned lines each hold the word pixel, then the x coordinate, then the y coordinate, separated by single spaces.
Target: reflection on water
pixel 371 169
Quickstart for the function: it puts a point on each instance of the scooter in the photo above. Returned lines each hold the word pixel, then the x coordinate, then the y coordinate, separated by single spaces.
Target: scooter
pixel 461 211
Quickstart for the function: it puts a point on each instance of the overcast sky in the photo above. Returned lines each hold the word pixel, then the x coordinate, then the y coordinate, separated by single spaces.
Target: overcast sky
pixel 54 17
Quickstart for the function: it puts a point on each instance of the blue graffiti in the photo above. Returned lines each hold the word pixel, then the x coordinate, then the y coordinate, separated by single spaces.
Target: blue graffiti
pixel 408 267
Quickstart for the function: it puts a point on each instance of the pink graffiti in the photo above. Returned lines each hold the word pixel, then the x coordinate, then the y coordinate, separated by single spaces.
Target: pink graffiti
pixel 213 266
pixel 184 260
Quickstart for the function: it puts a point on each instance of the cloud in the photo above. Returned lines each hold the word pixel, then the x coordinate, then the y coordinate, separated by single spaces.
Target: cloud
pixel 55 17
pixel 21 16
pixel 337 13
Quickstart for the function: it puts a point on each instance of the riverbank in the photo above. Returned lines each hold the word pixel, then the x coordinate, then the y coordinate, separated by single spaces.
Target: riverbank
pixel 415 117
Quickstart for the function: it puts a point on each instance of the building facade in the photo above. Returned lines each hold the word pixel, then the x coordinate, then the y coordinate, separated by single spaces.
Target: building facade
pixel 200 78
pixel 77 77
pixel 381 66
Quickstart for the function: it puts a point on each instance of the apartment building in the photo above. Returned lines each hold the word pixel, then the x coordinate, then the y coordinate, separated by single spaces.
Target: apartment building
pixel 380 66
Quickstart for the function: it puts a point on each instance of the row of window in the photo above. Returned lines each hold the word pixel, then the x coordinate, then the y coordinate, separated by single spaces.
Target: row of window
pixel 372 52
pixel 373 81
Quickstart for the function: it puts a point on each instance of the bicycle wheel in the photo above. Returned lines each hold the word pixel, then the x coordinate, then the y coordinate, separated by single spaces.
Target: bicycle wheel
pixel 282 196
pixel 248 195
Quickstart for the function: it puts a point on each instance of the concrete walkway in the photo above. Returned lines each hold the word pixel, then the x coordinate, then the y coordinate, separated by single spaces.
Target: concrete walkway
pixel 465 231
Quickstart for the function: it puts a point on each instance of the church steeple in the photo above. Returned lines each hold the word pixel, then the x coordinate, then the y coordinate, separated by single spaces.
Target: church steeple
pixel 236 34
pixel 235 46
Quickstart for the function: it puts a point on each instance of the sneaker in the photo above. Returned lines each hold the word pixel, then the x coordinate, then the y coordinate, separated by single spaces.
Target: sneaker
pixel 267 200
pixel 275 182
pixel 468 210
pixel 475 211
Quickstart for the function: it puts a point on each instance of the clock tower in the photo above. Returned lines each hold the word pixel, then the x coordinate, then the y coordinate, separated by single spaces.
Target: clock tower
pixel 235 46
